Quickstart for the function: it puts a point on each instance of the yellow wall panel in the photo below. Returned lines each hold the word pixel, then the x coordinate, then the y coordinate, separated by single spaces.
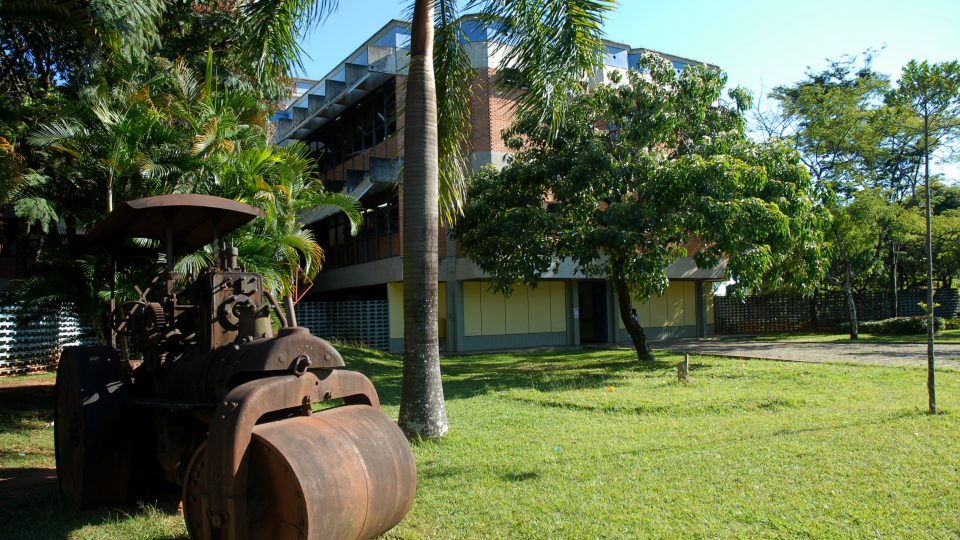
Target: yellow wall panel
pixel 689 303
pixel 658 310
pixel 492 312
pixel 395 303
pixel 471 308
pixel 643 312
pixel 675 299
pixel 558 306
pixel 539 308
pixel 677 307
pixel 517 312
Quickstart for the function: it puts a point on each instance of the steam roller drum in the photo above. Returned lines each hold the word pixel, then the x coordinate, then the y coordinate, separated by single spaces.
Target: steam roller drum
pixel 343 473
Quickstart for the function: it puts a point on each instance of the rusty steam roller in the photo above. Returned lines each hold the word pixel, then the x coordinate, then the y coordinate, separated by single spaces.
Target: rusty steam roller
pixel 217 402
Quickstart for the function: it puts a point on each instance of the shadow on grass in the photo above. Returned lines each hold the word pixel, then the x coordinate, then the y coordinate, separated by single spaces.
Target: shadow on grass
pixel 31 507
pixel 22 403
pixel 30 504
pixel 469 376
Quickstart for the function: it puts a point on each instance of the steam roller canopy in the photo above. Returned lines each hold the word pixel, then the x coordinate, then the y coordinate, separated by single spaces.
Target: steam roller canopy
pixel 345 472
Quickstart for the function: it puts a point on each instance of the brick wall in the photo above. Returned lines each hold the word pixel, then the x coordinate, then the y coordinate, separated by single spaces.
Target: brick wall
pixel 492 113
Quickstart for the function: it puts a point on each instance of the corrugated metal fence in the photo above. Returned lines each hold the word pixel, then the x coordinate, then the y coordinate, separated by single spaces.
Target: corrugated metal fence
pixel 361 321
pixel 36 346
pixel 825 311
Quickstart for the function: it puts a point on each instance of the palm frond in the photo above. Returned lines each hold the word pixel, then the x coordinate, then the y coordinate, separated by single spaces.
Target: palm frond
pixel 273 29
pixel 58 135
pixel 36 210
pixel 345 203
pixel 455 80
pixel 193 263
pixel 549 48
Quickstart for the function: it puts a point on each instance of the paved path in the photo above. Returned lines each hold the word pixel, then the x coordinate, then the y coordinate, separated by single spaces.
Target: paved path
pixel 894 354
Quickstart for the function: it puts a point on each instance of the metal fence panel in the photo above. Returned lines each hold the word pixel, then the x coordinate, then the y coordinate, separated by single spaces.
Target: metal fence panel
pixel 825 311
pixel 364 322
pixel 36 345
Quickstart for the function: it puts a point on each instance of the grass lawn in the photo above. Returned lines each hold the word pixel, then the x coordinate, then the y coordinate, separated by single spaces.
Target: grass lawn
pixel 945 336
pixel 589 444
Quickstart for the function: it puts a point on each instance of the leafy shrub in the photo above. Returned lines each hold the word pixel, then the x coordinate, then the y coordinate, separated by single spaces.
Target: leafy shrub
pixel 951 324
pixel 898 326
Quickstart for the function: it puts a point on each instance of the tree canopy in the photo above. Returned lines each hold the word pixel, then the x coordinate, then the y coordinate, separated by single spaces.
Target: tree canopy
pixel 639 174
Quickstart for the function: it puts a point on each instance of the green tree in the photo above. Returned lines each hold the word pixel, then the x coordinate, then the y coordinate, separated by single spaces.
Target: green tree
pixel 852 141
pixel 176 131
pixel 47 43
pixel 932 92
pixel 832 119
pixel 638 175
pixel 858 230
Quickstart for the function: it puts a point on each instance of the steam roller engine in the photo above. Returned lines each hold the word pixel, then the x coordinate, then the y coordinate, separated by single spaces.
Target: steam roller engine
pixel 266 433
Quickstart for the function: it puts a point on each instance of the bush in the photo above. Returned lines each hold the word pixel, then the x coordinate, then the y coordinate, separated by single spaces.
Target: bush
pixel 898 326
pixel 951 324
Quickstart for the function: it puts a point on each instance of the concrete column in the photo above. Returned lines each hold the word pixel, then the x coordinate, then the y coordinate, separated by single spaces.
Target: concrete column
pixel 455 335
pixel 573 322
pixel 613 313
pixel 701 310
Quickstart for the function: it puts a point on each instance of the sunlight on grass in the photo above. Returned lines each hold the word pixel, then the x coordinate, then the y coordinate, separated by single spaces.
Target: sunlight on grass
pixel 591 444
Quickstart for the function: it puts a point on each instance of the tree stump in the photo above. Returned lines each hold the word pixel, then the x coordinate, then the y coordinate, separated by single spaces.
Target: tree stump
pixel 683 369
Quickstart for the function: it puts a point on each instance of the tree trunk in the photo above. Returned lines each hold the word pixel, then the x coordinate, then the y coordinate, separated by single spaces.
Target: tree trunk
pixel 814 311
pixel 894 299
pixel 851 307
pixel 422 410
pixel 632 325
pixel 931 327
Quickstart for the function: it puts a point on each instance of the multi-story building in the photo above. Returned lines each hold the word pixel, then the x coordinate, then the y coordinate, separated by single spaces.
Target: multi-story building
pixel 352 120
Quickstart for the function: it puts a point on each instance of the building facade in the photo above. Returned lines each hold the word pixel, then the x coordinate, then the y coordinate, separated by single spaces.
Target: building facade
pixel 352 121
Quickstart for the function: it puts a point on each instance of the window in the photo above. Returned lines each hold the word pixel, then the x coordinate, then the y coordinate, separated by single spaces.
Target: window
pixel 359 128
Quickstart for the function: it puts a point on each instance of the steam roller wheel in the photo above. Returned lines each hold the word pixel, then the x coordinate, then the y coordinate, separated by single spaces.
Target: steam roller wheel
pixel 342 473
pixel 91 438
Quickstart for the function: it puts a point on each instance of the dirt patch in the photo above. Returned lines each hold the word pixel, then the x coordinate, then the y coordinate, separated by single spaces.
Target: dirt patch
pixel 21 382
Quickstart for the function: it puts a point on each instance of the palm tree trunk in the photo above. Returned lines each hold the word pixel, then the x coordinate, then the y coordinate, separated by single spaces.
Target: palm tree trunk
pixel 422 410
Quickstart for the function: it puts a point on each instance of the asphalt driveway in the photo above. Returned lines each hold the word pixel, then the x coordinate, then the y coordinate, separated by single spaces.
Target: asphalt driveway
pixel 894 354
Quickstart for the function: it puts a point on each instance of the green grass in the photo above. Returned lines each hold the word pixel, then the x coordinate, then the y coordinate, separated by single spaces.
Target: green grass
pixel 945 336
pixel 589 444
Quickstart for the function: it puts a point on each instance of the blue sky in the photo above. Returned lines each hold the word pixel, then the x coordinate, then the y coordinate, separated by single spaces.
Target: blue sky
pixel 760 44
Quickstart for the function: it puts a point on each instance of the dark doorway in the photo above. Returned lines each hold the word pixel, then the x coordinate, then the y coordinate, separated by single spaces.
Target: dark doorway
pixel 593 311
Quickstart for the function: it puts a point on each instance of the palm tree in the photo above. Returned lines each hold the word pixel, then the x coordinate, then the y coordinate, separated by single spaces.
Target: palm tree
pixel 554 45
pixel 283 182
pixel 178 131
